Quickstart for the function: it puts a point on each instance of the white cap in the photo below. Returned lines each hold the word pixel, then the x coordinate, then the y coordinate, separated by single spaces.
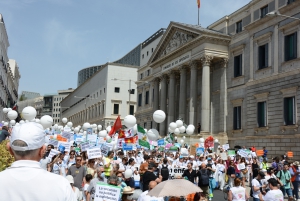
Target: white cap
pixel 192 156
pixel 31 133
pixel 70 179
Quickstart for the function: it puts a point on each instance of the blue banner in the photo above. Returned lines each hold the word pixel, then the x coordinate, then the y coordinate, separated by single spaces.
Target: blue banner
pixel 199 151
pixel 161 142
pixel 127 147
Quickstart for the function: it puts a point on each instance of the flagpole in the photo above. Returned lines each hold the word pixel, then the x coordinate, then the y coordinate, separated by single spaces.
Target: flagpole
pixel 198 15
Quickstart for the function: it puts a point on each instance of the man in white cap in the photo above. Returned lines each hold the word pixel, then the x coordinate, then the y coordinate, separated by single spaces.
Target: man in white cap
pixel 25 179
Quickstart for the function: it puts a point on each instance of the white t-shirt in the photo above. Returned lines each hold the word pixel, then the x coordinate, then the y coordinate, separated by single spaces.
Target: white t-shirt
pixel 255 183
pixel 85 189
pixel 221 168
pixel 145 197
pixel 238 193
pixel 273 195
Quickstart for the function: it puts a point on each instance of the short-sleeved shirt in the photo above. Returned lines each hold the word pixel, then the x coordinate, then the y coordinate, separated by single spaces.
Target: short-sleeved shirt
pixel 255 183
pixel 190 175
pixel 78 174
pixel 3 135
pixel 147 178
pixel 92 187
pixel 273 195
pixel 284 177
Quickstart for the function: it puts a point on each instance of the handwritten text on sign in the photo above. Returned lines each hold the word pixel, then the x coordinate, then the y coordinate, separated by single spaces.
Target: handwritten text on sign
pixel 94 153
pixel 107 192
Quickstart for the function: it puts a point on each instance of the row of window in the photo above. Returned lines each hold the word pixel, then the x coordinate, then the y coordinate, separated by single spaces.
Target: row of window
pixel 56 109
pixel 290 53
pixel 117 90
pixel 116 109
pixel 143 56
pixel 147 73
pixel 289 114
pixel 140 98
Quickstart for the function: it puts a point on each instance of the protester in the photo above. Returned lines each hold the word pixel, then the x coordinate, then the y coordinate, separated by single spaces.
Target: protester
pixel 164 169
pixel 29 180
pixel 265 153
pixel 231 173
pixel 295 173
pixel 55 165
pixel 78 194
pixel 4 134
pixel 189 173
pixel 274 194
pixel 284 179
pixel 203 179
pixel 244 171
pixel 150 176
pixel 90 195
pixel 237 192
pixel 257 185
pixel 221 173
pixel 127 191
pixel 212 183
pixel 78 172
pixel 143 168
pixel 91 168
pixel 108 164
pixel 71 158
pixel 145 197
pixel 88 179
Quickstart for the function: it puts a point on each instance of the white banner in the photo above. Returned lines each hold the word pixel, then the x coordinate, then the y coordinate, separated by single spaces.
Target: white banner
pixel 85 146
pixel 105 192
pixel 94 153
pixel 67 145
pixel 104 150
pixel 92 138
pixel 173 171
pixel 52 153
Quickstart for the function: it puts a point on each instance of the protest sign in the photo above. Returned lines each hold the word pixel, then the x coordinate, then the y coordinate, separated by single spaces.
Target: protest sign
pixel 244 153
pixel 199 151
pixel 120 143
pixel 67 129
pixel 153 143
pixel 94 153
pixel 79 139
pixel 209 142
pixel 223 156
pixel 231 152
pixel 62 139
pixel 105 192
pixel 84 146
pixel 260 152
pixel 52 153
pixel 66 135
pixel 225 146
pixel 184 152
pixel 89 131
pixel 127 147
pixel 173 171
pixel 67 145
pixel 241 166
pixel 92 138
pixel 168 145
pixel 53 142
pixel 161 142
pixel 193 150
pixel 104 150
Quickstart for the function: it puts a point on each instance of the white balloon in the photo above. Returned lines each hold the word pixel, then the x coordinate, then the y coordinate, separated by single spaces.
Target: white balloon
pixel 128 173
pixel 201 139
pixel 175 138
pixel 108 129
pixel 9 109
pixel 108 138
pixel 182 129
pixel 129 121
pixel 181 141
pixel 103 133
pixel 191 125
pixel 64 120
pixel 176 131
pixel 17 124
pixel 159 116
pixel 189 130
pixel 170 130
pixel 183 137
pixel 99 127
pixel 79 126
pixel 135 129
pixel 12 114
pixel 5 110
pixel 94 126
pixel 84 132
pixel 5 124
pixel 22 122
pixel 70 124
pixel 145 130
pixel 12 122
pixel 81 131
pixel 179 123
pixel 173 126
pixel 152 134
pixel 55 126
pixel 37 120
pixel 76 130
pixel 2 122
pixel 46 121
pixel 86 125
pixel 28 113
pixel 216 140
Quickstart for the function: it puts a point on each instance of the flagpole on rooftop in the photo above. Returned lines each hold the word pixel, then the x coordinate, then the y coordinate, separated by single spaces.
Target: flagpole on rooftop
pixel 198 4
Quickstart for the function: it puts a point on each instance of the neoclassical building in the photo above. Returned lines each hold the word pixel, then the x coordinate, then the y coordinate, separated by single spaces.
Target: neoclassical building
pixel 238 78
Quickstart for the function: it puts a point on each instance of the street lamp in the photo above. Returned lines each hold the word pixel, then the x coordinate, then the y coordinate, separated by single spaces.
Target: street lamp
pixel 85 102
pixel 130 91
pixel 276 13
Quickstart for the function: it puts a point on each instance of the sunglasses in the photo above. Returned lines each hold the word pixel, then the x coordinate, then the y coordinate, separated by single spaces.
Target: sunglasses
pixel 78 159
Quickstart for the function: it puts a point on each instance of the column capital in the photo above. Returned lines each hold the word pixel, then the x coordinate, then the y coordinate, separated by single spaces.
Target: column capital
pixel 224 62
pixel 194 64
pixel 182 68
pixel 163 76
pixel 206 59
pixel 171 74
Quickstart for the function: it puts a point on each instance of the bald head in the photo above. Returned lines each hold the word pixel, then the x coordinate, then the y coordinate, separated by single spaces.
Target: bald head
pixel 203 165
pixel 152 184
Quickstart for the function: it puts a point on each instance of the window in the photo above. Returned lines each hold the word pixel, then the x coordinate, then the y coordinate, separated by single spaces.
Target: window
pixel 263 56
pixel 148 72
pixel 290 44
pixel 152 94
pixel 145 124
pixel 290 1
pixel 104 90
pixel 263 11
pixel 238 65
pixel 147 53
pixel 117 89
pixel 151 124
pixel 147 98
pixel 141 76
pixel 100 92
pixel 152 49
pixel 262 114
pixel 143 56
pixel 239 26
pixel 237 118
pixel 116 108
pixel 140 100
pixel 131 109
pixel 289 111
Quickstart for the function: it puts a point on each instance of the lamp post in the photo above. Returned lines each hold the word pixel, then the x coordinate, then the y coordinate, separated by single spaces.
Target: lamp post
pixel 85 103
pixel 276 13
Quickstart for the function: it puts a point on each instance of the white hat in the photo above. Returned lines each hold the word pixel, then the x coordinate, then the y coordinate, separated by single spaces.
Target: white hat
pixel 127 190
pixel 31 133
pixel 70 179
pixel 192 156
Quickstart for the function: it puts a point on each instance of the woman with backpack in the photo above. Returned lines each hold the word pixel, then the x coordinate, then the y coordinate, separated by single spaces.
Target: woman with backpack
pixel 164 169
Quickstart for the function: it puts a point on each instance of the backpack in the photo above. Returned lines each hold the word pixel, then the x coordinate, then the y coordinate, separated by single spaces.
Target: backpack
pixel 204 178
pixel 164 172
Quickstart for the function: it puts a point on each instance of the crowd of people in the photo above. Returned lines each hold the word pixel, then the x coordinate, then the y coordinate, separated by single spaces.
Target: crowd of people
pixel 76 176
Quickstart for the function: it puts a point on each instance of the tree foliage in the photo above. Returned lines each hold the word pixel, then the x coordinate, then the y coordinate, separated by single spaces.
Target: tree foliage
pixel 6 159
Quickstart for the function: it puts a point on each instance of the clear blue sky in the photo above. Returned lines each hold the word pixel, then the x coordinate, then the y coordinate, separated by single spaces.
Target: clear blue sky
pixel 53 39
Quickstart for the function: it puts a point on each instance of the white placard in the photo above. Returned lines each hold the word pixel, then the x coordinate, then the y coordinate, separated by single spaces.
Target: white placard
pixel 66 134
pixel 67 129
pixel 52 153
pixel 53 142
pixel 104 150
pixel 241 166
pixel 67 145
pixel 225 146
pixel 184 152
pixel 223 156
pixel 79 139
pixel 243 153
pixel 85 146
pixel 94 153
pixel 92 138
pixel 105 192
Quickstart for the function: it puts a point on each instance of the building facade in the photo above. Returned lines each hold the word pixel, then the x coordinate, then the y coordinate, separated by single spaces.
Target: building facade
pixel 238 77
pixel 9 74
pixel 37 103
pixel 100 99
pixel 29 95
pixel 56 104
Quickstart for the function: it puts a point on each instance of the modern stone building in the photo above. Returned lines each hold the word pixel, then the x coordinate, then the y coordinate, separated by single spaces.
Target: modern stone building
pixel 238 78
pixel 9 74
pixel 61 94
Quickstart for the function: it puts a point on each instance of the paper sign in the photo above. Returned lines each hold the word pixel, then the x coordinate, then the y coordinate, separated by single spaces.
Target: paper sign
pixel 52 153
pixel 243 153
pixel 94 153
pixel 223 156
pixel 241 166
pixel 168 145
pixel 53 142
pixel 104 150
pixel 193 150
pixel 184 152
pixel 66 135
pixel 154 143
pixel 199 151
pixel 79 139
pixel 231 152
pixel 161 142
pixel 225 146
pixel 89 131
pixel 85 146
pixel 67 145
pixel 92 138
pixel 105 192
pixel 67 129
pixel 127 147
pixel 62 139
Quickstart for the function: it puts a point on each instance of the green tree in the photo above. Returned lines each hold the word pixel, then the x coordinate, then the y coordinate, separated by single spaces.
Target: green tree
pixel 6 159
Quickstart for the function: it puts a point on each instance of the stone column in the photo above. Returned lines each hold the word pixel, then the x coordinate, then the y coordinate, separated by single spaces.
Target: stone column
pixel 155 98
pixel 193 95
pixel 205 103
pixel 171 109
pixel 223 96
pixel 163 103
pixel 182 95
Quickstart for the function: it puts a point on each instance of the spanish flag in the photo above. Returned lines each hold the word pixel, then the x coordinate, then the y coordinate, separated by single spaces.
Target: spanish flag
pixel 198 3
